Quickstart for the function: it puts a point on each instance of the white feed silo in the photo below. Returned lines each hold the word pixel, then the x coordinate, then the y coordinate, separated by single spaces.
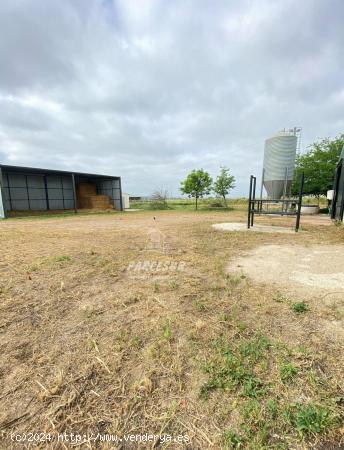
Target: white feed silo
pixel 279 163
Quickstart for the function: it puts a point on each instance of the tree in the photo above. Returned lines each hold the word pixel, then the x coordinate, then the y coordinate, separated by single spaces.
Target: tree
pixel 159 199
pixel 224 183
pixel 197 184
pixel 319 165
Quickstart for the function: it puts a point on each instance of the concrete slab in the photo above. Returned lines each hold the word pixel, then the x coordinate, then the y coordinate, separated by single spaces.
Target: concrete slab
pixel 240 226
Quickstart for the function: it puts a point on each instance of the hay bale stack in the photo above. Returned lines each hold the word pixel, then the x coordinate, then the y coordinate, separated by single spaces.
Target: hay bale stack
pixel 97 202
pixel 86 189
pixel 88 198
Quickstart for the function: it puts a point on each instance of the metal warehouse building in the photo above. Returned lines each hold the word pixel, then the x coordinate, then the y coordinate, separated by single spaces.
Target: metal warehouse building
pixel 32 189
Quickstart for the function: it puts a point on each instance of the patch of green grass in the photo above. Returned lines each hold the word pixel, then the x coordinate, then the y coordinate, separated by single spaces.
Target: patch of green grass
pixel 241 326
pixel 188 204
pixel 234 280
pixel 300 307
pixel 167 330
pixel 253 387
pixel 136 341
pixel 254 348
pixel 246 368
pixel 233 367
pixel 233 440
pixel 62 258
pixel 58 260
pixel 288 372
pixel 272 408
pixel 314 419
pixel 224 317
pixel 200 306
pixel 93 345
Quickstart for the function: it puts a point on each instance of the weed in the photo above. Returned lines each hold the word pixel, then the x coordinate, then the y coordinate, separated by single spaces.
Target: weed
pixel 167 330
pixel 94 345
pixel 200 306
pixel 251 411
pixel 174 285
pixel 302 349
pixel 234 280
pixel 136 342
pixel 253 387
pixel 300 307
pixel 233 440
pixel 272 408
pixel 224 317
pixel 288 372
pixel 254 348
pixel 233 367
pixel 314 419
pixel 59 260
pixel 242 326
pixel 280 298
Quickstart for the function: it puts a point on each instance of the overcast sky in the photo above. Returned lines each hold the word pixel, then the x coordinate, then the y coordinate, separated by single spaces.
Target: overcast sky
pixel 150 89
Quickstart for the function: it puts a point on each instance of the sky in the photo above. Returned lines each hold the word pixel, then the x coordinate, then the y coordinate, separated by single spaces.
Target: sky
pixel 151 89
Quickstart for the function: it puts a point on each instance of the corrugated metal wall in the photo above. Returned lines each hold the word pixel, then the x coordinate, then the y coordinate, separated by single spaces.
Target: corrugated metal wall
pixel 35 192
pixel 110 187
pixel 30 192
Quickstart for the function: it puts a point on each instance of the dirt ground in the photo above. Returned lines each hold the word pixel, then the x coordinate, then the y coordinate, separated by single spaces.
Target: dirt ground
pixel 122 324
pixel 313 273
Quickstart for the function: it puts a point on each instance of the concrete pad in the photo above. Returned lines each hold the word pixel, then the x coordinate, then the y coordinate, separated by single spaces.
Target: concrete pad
pixel 308 270
pixel 240 226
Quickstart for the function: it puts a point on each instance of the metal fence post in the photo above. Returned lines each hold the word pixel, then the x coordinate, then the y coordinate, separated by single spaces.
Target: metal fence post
pixel 297 225
pixel 253 200
pixel 249 203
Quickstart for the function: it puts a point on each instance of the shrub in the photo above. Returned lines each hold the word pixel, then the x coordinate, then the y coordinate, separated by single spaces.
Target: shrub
pixel 300 307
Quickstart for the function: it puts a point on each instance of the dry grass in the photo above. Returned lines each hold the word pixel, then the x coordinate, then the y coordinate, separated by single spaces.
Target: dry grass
pixel 88 346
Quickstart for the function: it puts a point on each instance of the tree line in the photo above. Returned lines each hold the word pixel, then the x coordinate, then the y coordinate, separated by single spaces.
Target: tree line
pixel 319 165
pixel 199 183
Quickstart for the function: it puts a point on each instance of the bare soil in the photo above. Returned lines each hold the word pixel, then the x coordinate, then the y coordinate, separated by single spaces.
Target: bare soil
pixel 312 273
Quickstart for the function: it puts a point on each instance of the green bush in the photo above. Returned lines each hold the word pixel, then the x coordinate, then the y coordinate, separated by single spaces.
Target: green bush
pixel 300 307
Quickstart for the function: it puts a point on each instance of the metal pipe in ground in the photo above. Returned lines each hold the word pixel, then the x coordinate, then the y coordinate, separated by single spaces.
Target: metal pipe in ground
pixel 249 203
pixel 297 225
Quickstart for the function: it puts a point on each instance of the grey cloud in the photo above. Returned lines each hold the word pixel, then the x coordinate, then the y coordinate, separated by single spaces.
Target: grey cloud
pixel 150 90
pixel 14 115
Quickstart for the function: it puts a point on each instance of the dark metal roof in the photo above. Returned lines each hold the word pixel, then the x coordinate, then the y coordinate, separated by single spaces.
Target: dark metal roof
pixel 35 170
